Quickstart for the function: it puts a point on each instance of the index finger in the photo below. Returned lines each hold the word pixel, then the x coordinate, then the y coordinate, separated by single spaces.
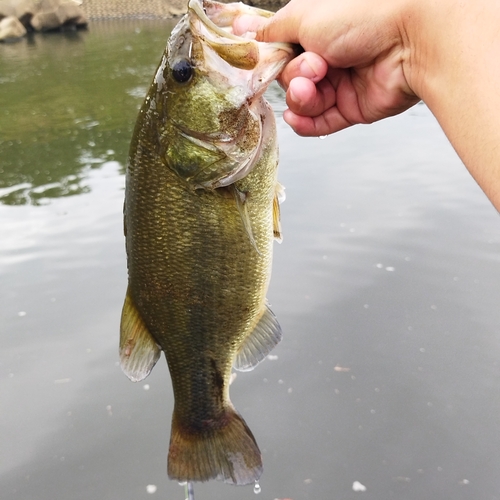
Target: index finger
pixel 308 65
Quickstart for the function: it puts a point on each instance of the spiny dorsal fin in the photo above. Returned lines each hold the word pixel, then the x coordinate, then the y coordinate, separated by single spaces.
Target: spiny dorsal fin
pixel 138 350
pixel 259 343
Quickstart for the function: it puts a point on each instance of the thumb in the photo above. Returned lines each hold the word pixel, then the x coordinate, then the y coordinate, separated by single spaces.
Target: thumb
pixel 247 23
pixel 282 27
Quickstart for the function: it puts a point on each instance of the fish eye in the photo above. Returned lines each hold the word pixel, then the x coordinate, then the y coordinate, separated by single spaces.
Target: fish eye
pixel 182 71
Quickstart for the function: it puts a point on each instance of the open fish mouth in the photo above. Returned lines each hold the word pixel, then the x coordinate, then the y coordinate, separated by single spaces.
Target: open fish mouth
pixel 211 23
pixel 227 75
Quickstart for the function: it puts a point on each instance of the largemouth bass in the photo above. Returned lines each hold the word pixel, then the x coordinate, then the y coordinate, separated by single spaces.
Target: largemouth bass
pixel 201 211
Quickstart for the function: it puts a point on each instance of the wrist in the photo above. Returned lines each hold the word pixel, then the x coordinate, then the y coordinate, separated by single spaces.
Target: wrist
pixel 419 45
pixel 436 34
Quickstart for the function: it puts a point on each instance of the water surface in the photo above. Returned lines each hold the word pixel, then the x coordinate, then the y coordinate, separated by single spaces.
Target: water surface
pixel 386 286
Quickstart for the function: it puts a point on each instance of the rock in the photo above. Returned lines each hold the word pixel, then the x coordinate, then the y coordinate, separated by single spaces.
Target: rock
pixel 176 11
pixel 11 29
pixel 55 14
pixel 25 10
pixel 176 8
pixel 45 21
pixel 48 5
pixel 70 13
pixel 7 9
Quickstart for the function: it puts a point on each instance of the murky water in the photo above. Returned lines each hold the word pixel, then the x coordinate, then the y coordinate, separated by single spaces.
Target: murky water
pixel 387 382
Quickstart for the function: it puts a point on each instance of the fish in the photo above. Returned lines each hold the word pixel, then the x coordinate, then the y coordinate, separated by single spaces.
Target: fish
pixel 201 212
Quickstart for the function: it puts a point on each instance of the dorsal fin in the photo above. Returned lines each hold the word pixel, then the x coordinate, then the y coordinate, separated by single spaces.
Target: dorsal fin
pixel 138 350
pixel 259 343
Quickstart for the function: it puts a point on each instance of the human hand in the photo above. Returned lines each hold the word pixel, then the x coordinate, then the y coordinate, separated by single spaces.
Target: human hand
pixel 364 62
pixel 355 68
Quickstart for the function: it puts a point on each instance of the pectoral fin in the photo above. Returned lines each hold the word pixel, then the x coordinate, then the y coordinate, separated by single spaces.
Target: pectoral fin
pixel 259 343
pixel 276 221
pixel 245 217
pixel 279 197
pixel 138 350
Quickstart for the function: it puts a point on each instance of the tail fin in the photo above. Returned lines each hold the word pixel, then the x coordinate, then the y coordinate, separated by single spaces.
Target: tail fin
pixel 226 451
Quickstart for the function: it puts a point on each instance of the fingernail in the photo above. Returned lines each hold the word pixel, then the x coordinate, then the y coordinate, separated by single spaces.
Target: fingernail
pixel 293 97
pixel 305 70
pixel 308 69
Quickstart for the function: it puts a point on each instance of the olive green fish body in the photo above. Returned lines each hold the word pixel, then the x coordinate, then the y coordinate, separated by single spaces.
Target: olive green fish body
pixel 194 275
pixel 200 219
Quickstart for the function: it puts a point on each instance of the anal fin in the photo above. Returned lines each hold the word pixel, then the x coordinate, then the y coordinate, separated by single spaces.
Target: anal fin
pixel 259 343
pixel 138 350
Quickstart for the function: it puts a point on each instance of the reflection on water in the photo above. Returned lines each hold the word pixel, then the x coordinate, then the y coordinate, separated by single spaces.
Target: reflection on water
pixel 387 382
pixel 68 103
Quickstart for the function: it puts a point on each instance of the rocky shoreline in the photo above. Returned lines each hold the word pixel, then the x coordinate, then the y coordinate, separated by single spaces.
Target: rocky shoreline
pixel 17 17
